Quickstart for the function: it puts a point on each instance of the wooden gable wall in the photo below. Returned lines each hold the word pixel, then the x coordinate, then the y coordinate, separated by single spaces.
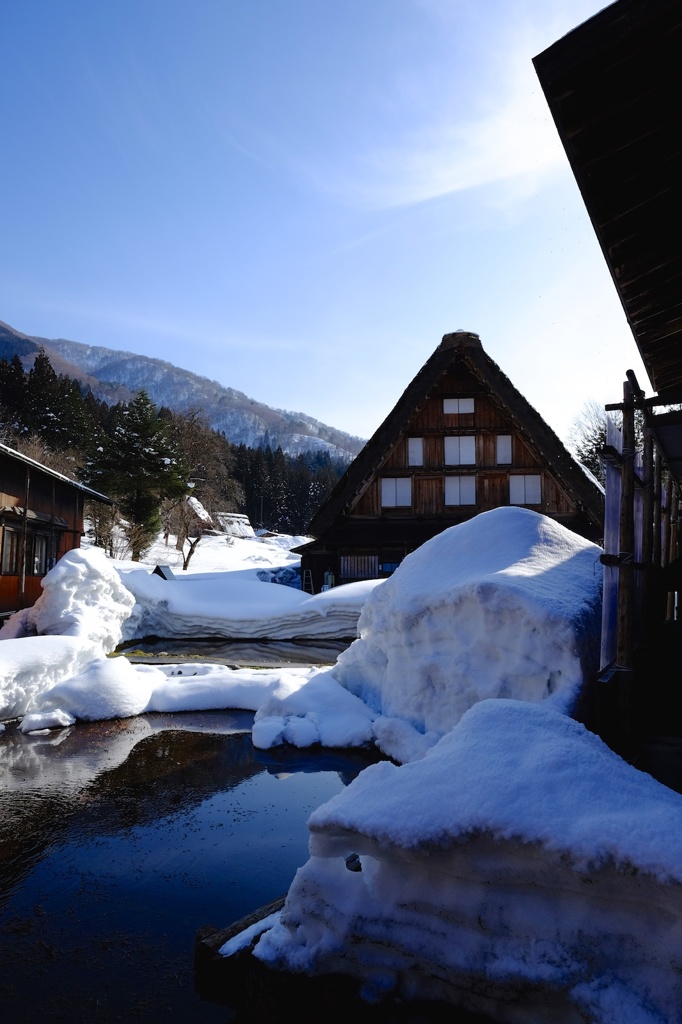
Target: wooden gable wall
pixel 487 422
pixel 494 450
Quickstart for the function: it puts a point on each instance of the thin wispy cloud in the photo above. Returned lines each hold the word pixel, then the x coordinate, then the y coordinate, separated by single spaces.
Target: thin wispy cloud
pixel 466 120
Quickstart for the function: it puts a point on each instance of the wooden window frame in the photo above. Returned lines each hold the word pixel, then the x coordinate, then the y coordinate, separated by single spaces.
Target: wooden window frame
pixel 515 481
pixel 415 452
pixel 458 406
pixel 11 547
pixel 398 484
pixel 449 485
pixel 455 440
pixel 503 461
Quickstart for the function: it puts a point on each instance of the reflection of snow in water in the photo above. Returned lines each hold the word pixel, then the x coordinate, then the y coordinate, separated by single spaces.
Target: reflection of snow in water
pixel 109 868
pixel 68 760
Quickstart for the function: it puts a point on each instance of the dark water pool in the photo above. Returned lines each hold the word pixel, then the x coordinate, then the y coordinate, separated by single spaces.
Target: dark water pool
pixel 119 839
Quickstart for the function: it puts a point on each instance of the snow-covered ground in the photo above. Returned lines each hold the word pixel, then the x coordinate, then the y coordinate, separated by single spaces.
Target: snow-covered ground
pixel 221 594
pixel 504 605
pixel 511 862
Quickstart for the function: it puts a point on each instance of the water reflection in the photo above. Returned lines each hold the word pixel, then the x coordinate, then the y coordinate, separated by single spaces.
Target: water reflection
pixel 264 653
pixel 119 839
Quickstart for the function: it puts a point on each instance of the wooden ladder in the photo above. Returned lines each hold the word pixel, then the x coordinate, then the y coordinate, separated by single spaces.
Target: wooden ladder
pixel 307 582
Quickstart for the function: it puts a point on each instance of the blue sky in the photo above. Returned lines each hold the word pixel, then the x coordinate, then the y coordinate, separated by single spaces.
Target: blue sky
pixel 298 198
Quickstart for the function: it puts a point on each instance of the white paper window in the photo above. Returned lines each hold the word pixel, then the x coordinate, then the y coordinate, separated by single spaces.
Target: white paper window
pixel 504 449
pixel 524 490
pixel 460 451
pixel 396 491
pixel 458 406
pixel 415 451
pixel 460 490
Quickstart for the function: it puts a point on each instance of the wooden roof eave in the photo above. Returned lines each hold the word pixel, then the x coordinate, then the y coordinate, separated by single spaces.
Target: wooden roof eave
pixel 86 491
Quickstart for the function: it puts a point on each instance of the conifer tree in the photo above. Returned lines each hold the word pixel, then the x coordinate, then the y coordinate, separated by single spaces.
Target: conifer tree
pixel 12 394
pixel 137 464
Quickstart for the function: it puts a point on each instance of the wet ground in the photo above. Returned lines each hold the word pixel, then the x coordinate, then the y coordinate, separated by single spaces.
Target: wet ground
pixel 118 840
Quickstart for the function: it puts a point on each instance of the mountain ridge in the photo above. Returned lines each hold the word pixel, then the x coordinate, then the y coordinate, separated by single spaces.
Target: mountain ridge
pixel 116 376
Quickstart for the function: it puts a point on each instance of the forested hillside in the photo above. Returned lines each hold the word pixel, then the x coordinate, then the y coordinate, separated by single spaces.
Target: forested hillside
pixel 117 376
pixel 150 459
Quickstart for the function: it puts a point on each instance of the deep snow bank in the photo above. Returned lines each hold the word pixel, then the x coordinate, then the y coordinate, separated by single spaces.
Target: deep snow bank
pixel 504 605
pixel 230 606
pixel 82 597
pixel 79 616
pixel 507 871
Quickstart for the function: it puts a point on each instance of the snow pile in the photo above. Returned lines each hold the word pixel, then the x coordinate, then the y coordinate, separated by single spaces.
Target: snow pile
pixel 79 614
pixel 504 605
pixel 520 869
pixel 82 597
pixel 54 680
pixel 212 687
pixel 232 606
pixel 319 711
pixel 29 667
pixel 106 688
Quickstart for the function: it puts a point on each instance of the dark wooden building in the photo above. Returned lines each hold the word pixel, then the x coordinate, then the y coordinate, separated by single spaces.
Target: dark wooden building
pixel 461 440
pixel 613 87
pixel 41 518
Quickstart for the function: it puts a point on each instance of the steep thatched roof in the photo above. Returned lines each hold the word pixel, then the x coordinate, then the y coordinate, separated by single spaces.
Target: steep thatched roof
pixel 463 349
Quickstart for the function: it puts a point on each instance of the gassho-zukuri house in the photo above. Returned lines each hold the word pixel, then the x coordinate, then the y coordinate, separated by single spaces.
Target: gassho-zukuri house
pixel 41 518
pixel 461 440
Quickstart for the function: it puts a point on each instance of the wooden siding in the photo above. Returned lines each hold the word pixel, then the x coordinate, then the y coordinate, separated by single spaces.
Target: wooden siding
pixel 492 490
pixel 485 424
pixel 55 513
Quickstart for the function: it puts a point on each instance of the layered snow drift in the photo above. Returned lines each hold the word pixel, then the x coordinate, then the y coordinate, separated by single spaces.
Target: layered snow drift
pixel 506 871
pixel 504 605
pixel 227 605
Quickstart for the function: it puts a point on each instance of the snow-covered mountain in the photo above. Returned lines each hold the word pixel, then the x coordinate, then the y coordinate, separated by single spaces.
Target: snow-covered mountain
pixel 116 376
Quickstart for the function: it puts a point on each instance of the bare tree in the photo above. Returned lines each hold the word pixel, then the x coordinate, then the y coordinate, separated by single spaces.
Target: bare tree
pixel 587 437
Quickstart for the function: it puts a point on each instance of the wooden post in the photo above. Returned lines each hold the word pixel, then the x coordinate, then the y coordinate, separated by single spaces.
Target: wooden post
pixel 646 578
pixel 625 619
pixel 657 510
pixel 24 543
pixel 673 534
pixel 625 646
